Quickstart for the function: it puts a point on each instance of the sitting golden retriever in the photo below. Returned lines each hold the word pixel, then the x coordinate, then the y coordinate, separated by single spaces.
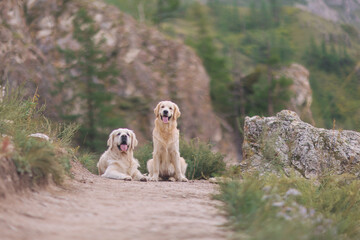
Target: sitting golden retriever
pixel 117 161
pixel 166 162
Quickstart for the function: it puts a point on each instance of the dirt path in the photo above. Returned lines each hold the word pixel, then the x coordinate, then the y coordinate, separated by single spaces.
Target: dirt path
pixel 90 207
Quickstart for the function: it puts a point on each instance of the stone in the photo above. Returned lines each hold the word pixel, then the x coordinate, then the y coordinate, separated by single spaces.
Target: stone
pixel 284 141
pixel 301 99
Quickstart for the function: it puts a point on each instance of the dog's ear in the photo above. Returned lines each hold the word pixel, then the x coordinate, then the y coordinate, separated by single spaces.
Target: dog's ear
pixel 177 112
pixel 111 139
pixel 134 141
pixel 157 110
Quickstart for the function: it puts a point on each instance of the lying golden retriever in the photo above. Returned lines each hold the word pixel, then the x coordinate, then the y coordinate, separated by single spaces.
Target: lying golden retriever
pixel 166 162
pixel 117 161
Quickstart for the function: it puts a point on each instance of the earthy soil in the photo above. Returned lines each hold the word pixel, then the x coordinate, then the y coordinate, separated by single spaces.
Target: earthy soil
pixel 91 207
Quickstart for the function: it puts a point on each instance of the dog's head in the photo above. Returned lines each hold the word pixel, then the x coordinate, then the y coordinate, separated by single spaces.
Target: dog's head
pixel 122 139
pixel 167 111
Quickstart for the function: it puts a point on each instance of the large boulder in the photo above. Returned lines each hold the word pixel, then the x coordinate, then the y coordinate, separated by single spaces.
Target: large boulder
pixel 286 142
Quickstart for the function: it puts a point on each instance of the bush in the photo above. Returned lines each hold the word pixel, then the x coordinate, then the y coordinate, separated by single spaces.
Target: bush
pixel 202 162
pixel 89 161
pixel 276 207
pixel 143 154
pixel 36 157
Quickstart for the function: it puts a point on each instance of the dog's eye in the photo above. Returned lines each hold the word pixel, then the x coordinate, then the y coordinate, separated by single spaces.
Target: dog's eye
pixel 162 106
pixel 128 134
pixel 118 134
pixel 171 108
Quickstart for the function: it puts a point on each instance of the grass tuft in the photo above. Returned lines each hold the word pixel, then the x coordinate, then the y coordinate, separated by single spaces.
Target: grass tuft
pixel 266 207
pixel 143 154
pixel 36 157
pixel 89 161
pixel 202 162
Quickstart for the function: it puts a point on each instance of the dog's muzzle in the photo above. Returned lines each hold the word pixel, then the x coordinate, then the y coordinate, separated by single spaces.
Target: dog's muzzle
pixel 165 117
pixel 123 145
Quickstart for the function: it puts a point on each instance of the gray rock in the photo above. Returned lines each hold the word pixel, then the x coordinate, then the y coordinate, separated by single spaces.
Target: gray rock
pixel 284 141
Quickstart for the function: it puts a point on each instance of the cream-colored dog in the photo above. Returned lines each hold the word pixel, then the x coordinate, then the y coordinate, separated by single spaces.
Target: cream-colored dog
pixel 117 161
pixel 166 162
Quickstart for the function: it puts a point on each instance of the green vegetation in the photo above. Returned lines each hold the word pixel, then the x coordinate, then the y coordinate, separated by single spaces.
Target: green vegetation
pixel 89 73
pixel 214 64
pixel 89 161
pixel 143 154
pixel 244 43
pixel 202 162
pixel 34 157
pixel 165 9
pixel 273 207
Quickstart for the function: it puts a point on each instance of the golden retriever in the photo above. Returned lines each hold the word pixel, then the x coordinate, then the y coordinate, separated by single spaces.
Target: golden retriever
pixel 166 162
pixel 118 162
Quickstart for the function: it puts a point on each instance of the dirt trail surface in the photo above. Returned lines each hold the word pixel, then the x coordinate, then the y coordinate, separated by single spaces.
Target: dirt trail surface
pixel 90 207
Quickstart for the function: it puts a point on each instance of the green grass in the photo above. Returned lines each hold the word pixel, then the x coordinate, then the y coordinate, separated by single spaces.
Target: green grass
pixel 89 161
pixel 143 154
pixel 202 162
pixel 260 207
pixel 35 157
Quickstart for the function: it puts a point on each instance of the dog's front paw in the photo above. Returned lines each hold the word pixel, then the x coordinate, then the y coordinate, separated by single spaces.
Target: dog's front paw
pixel 128 178
pixel 182 179
pixel 153 179
pixel 144 179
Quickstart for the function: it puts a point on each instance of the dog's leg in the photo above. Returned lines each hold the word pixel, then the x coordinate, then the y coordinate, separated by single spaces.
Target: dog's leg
pixel 183 166
pixel 155 166
pixel 139 177
pixel 150 167
pixel 110 172
pixel 175 158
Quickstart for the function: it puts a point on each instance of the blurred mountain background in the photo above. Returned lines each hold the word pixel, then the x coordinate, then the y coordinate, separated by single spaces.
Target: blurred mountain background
pixel 105 64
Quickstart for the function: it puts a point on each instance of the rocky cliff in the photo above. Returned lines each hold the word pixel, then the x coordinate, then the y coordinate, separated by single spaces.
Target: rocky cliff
pixel 285 142
pixel 153 67
pixel 301 99
pixel 21 61
pixel 346 11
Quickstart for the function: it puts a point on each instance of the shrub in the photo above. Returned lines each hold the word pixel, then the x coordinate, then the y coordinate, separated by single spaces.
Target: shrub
pixel 276 207
pixel 89 161
pixel 143 154
pixel 36 157
pixel 202 162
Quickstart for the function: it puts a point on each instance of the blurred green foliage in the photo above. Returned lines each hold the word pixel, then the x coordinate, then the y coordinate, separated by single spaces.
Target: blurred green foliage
pixel 88 74
pixel 276 207
pixel 245 36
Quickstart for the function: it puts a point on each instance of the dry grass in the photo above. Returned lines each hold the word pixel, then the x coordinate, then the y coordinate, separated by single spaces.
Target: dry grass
pixel 36 157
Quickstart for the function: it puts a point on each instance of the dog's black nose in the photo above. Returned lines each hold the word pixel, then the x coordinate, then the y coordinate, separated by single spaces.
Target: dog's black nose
pixel 166 112
pixel 123 137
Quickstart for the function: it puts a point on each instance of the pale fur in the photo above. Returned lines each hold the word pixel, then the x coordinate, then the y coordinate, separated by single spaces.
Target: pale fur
pixel 116 164
pixel 166 162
